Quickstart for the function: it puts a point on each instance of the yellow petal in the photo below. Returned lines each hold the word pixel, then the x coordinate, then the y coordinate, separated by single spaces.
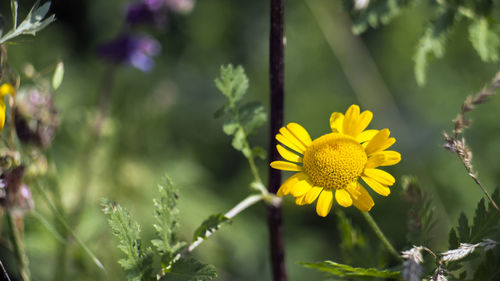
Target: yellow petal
pixel 376 186
pixel 287 186
pixel 343 198
pixel 379 142
pixel 300 200
pixel 382 177
pixel 337 122
pixel 6 89
pixel 300 133
pixel 364 120
pixel 312 194
pixel 287 134
pixel 366 135
pixel 361 199
pixel 375 160
pixel 300 188
pixel 351 120
pixel 2 113
pixel 285 166
pixel 288 155
pixel 391 157
pixel 324 204
pixel 289 144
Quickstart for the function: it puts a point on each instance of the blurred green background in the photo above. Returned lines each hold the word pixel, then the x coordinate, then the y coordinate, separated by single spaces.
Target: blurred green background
pixel 162 123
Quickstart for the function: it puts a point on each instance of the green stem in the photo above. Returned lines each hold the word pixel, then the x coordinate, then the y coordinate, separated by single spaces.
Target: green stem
pixel 18 248
pixel 380 234
pixel 67 228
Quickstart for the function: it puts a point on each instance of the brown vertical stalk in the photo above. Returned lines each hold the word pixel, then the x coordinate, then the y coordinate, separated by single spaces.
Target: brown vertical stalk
pixel 276 73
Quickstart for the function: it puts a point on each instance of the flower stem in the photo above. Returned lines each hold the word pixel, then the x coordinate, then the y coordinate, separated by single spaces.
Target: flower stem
pixel 276 77
pixel 240 207
pixel 380 234
pixel 18 247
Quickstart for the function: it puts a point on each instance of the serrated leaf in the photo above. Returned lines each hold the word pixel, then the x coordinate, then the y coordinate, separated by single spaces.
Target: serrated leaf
pixel 259 152
pixel 488 269
pixel 233 83
pixel 211 224
pixel 230 126
pixel 239 139
pixel 166 216
pixel 453 242
pixel 253 116
pixel 484 39
pixel 432 43
pixel 221 111
pixel 343 270
pixel 189 270
pixel 58 76
pixel 463 228
pixel 137 261
pixel 378 12
pixel 486 222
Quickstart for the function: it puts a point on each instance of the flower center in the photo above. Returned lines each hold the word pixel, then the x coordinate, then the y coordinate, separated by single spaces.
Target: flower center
pixel 334 160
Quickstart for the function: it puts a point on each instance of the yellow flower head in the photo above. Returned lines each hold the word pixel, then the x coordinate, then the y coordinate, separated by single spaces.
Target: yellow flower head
pixel 5 89
pixel 333 163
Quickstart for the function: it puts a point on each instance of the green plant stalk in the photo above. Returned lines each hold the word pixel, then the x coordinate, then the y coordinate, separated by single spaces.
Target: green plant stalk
pixel 380 235
pixel 67 228
pixel 18 247
pixel 240 207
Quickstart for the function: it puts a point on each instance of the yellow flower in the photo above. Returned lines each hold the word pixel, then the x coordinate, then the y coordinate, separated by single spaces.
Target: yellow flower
pixel 332 164
pixel 5 89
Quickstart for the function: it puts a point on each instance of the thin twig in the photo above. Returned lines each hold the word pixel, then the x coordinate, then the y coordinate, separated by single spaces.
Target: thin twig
pixel 457 145
pixel 277 76
pixel 243 205
pixel 380 234
pixel 18 247
pixel 4 271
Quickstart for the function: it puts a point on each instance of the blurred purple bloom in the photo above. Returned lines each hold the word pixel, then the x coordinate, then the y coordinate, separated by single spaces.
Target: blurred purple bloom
pixel 147 11
pixel 134 50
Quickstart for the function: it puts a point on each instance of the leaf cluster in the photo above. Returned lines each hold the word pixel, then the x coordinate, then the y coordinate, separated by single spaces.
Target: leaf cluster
pixel 244 119
pixel 421 219
pixel 35 21
pixel 485 224
pixel 479 15
pixel 164 259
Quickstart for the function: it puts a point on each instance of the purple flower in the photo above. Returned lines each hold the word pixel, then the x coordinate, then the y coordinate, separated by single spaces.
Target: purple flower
pixel 146 12
pixel 131 49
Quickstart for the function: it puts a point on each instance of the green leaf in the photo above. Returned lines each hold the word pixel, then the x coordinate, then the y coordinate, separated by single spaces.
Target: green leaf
pixel 486 221
pixel 233 83
pixel 211 224
pixel 259 152
pixel 432 43
pixel 221 111
pixel 378 12
pixel 32 23
pixel 253 116
pixel 166 216
pixel 484 39
pixel 189 270
pixel 488 269
pixel 137 261
pixel 239 139
pixel 343 270
pixel 58 76
pixel 230 126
